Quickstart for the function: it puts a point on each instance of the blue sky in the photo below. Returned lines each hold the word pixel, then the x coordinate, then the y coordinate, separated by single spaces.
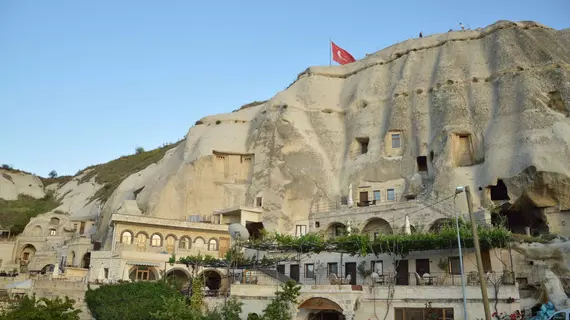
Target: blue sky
pixel 84 82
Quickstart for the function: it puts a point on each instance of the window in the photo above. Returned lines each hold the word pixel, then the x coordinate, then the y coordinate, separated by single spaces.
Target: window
pixel 395 140
pixel 26 256
pixel 317 224
pixel 106 273
pixel 339 230
pixel 344 200
pixel 561 315
pixel 422 163
pixel 52 232
pixel 82 228
pixel 75 227
pixel 155 240
pixel 213 245
pixel 309 270
pixel 185 243
pixel 54 221
pixel 376 234
pixel 363 142
pixel 332 268
pixel 259 202
pixel 391 195
pixel 301 230
pixel 126 237
pixel 377 195
pixel 377 266
pixel 454 265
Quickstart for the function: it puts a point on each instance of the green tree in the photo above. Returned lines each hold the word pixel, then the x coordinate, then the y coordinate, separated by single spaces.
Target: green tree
pixel 175 308
pixel 131 300
pixel 139 150
pixel 280 307
pixel 197 298
pixel 52 174
pixel 31 308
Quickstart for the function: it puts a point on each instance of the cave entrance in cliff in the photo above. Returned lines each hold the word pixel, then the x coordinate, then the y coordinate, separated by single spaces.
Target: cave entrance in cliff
pixel 519 216
pixel 499 192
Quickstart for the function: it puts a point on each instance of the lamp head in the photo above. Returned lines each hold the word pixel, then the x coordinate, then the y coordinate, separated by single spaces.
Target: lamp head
pixel 459 189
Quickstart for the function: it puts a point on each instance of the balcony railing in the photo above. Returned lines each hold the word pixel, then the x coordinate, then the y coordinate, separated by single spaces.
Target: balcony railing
pixel 385 279
pixel 338 205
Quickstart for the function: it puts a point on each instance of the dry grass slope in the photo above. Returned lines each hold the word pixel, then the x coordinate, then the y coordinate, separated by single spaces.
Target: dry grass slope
pixel 16 214
pixel 112 173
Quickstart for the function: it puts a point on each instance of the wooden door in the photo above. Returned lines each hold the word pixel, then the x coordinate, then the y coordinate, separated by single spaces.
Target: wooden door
pixel 486 257
pixel 402 278
pixel 224 247
pixel 294 274
pixel 422 266
pixel 363 198
pixel 350 268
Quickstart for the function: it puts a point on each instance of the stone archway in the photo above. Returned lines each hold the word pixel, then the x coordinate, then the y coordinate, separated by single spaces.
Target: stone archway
pixel 212 279
pixel 335 229
pixel 439 224
pixel 324 308
pixel 178 277
pixel 376 226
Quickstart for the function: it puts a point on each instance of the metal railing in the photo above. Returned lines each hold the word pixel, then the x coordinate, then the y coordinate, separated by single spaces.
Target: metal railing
pixel 337 205
pixel 385 279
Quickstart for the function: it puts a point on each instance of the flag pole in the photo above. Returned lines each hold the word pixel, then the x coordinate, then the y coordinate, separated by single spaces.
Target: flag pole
pixel 330 52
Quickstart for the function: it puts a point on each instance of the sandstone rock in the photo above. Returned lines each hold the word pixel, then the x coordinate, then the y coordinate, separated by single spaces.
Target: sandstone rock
pixel 14 183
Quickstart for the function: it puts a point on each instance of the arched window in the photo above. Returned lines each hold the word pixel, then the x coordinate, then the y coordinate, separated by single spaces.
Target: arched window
pixel 52 232
pixel 185 243
pixel 213 245
pixel 155 240
pixel 54 221
pixel 127 237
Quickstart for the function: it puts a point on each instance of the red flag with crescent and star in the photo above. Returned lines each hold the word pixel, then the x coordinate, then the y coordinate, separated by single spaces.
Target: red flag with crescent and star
pixel 340 55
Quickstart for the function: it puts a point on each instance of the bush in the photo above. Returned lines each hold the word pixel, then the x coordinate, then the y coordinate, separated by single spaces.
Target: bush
pixel 52 174
pixel 139 150
pixel 42 309
pixel 130 301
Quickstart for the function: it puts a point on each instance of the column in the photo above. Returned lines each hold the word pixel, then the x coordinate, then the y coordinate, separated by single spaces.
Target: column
pixel 348 314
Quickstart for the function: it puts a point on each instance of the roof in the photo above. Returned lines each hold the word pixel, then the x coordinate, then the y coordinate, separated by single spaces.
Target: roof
pixel 170 223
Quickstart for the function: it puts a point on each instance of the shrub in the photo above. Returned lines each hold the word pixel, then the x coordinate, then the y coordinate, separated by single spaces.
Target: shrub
pixel 139 150
pixel 130 301
pixel 52 174
pixel 42 309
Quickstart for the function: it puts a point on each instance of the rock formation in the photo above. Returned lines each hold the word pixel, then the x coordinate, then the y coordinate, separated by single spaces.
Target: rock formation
pixel 484 108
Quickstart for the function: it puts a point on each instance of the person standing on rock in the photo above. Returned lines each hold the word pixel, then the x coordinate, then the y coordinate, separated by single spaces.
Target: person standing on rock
pixel 421 35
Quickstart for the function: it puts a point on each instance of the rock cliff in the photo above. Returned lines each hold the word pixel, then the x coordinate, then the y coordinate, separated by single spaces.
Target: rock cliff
pixel 486 108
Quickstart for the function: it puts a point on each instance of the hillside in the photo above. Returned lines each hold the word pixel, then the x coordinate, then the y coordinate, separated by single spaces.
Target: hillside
pixel 24 195
pixel 486 108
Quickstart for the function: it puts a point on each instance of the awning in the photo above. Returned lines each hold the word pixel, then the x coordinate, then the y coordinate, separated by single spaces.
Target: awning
pixel 20 285
pixel 143 263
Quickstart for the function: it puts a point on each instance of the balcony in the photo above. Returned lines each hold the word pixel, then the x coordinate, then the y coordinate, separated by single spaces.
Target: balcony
pixel 323 209
pixel 386 279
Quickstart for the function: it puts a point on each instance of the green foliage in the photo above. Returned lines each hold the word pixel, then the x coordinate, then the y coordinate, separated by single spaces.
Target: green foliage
pixel 363 271
pixel 15 214
pixel 175 308
pixel 253 316
pixel 402 244
pixel 139 150
pixel 31 308
pixel 52 174
pixel 130 300
pixel 197 298
pixel 280 307
pixel 112 173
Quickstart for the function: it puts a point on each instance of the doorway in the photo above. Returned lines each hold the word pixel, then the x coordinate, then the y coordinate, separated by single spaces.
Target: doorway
pixel 402 278
pixel 326 315
pixel 295 272
pixel 350 268
pixel 363 199
pixel 422 266
pixel 281 268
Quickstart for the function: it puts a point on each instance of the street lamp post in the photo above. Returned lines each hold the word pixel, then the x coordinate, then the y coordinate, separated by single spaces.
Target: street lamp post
pixel 457 191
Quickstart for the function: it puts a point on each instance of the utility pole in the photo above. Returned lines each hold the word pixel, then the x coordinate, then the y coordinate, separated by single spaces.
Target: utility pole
pixel 482 279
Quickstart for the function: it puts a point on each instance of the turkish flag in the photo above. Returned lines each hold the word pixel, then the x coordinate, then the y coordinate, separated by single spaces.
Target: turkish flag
pixel 340 55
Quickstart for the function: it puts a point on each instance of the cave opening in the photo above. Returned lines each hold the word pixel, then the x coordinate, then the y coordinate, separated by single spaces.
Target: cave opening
pixel 499 191
pixel 519 216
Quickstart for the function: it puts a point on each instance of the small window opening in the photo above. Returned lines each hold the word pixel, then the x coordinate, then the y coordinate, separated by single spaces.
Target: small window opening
pixel 499 191
pixel 363 145
pixel 422 163
pixel 396 141
pixel 317 224
pixel 259 202
pixel 431 156
pixel 464 153
pixel 391 194
pixel 344 200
